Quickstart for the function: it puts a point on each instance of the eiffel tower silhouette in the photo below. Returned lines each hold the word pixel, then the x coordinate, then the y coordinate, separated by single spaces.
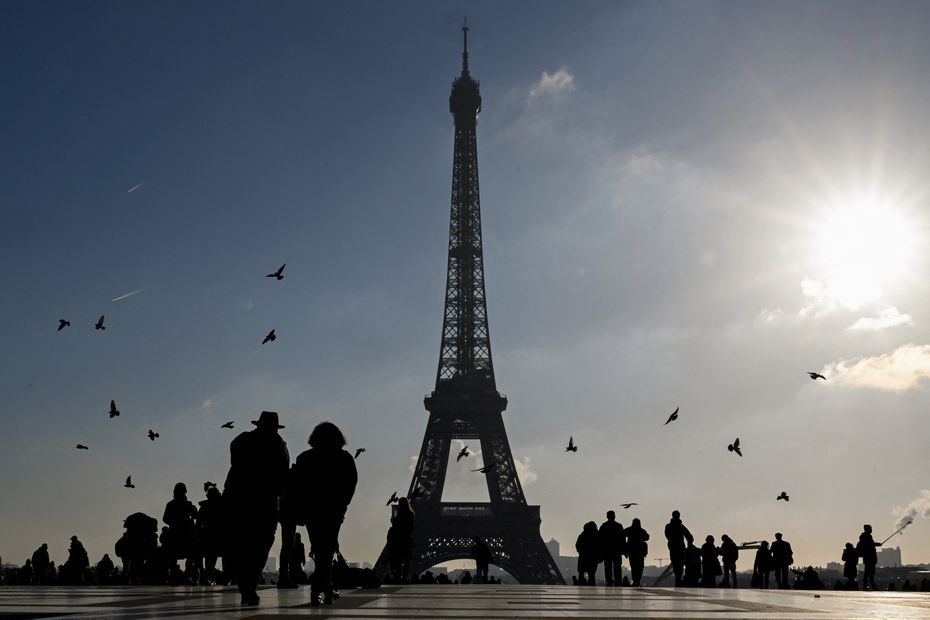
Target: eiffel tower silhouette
pixel 465 403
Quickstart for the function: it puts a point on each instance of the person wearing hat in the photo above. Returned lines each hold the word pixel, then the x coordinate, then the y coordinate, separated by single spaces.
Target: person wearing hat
pixel 259 462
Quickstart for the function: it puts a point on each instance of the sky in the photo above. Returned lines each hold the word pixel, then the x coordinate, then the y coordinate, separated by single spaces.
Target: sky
pixel 684 204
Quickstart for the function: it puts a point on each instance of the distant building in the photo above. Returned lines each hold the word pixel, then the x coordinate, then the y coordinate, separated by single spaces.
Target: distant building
pixel 889 557
pixel 835 567
pixel 553 547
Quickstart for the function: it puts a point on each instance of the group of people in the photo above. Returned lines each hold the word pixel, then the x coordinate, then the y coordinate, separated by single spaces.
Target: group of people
pixel 40 570
pixel 609 544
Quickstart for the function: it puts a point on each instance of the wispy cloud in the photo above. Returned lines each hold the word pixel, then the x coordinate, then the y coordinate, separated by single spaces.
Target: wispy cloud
pixel 207 404
pixel 904 368
pixel 135 187
pixel 552 85
pixel 889 317
pixel 525 470
pixel 136 292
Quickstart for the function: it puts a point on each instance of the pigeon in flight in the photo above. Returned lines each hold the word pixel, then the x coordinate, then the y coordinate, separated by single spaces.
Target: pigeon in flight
pixel 462 454
pixel 393 499
pixel 816 375
pixel 628 504
pixel 783 496
pixel 63 324
pixel 81 446
pixel 279 274
pixel 571 447
pixel 734 447
pixel 271 337
pixel 673 417
pixel 129 484
pixel 99 323
pixel 228 424
pixel 153 435
pixel 487 467
pixel 207 485
pixel 359 451
pixel 113 410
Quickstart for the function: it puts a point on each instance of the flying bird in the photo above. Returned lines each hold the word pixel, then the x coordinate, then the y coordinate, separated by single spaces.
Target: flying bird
pixel 783 496
pixel 207 485
pixel 279 274
pixel 81 446
pixel 462 454
pixel 113 410
pixel 571 447
pixel 271 337
pixel 673 417
pixel 628 504
pixel 359 451
pixel 393 499
pixel 487 467
pixel 99 323
pixel 228 425
pixel 734 447
pixel 129 484
pixel 153 435
pixel 63 324
pixel 816 375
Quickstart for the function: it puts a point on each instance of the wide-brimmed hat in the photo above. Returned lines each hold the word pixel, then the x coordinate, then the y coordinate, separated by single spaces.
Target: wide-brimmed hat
pixel 268 418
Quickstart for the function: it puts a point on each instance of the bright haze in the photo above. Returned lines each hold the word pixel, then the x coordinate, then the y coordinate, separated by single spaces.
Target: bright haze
pixel 684 204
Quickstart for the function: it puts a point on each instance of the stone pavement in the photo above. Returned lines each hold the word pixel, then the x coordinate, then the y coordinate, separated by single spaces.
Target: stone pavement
pixel 463 602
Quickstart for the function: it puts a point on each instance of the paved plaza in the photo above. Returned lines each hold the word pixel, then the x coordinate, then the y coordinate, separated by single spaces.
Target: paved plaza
pixel 462 602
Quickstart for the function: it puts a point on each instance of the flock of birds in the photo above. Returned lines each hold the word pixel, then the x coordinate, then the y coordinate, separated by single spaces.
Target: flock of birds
pixel 114 411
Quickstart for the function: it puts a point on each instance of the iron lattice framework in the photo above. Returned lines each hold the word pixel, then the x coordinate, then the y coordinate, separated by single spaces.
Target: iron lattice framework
pixel 465 403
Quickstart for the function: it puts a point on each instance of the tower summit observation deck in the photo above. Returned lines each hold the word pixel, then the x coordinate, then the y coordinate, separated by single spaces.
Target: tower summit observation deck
pixel 465 403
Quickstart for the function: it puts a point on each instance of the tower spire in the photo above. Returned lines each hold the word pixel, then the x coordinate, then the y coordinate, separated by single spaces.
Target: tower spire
pixel 465 47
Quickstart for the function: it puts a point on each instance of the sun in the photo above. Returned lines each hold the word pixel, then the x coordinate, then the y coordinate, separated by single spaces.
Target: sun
pixel 864 246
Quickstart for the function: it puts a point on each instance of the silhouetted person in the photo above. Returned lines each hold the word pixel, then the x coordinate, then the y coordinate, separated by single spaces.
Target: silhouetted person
pixel 210 532
pixel 808 579
pixel 589 553
pixel 76 563
pixel 40 564
pixel 692 576
pixel 326 477
pixel 26 576
pixel 298 560
pixel 137 546
pixel 850 566
pixel 637 547
pixel 400 540
pixel 710 565
pixel 258 465
pixel 105 570
pixel 466 578
pixel 482 555
pixel 762 565
pixel 180 515
pixel 613 544
pixel 866 550
pixel 729 553
pixel 782 558
pixel 678 538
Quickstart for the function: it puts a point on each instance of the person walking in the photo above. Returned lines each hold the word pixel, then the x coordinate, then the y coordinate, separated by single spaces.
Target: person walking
pixel 400 540
pixel 710 565
pixel 326 478
pixel 850 566
pixel 40 562
pixel 729 553
pixel 637 547
pixel 482 556
pixel 180 517
pixel 258 466
pixel 762 565
pixel 865 548
pixel 612 543
pixel 589 554
pixel 210 533
pixel 678 538
pixel 782 558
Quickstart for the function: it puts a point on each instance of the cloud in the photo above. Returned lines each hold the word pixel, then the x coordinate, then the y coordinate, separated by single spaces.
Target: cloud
pixel 525 470
pixel 904 368
pixel 889 317
pixel 920 505
pixel 552 85
pixel 207 404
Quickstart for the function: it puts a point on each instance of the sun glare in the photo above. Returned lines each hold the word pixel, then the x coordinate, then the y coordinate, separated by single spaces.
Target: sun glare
pixel 864 246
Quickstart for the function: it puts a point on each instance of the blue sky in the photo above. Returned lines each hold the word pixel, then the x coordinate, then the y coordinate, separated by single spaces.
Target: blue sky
pixel 667 191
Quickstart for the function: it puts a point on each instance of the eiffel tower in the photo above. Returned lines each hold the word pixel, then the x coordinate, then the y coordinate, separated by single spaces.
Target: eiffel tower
pixel 465 403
